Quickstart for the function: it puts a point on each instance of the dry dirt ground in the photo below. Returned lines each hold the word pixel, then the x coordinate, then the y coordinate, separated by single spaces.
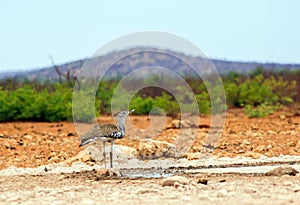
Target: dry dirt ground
pixel 82 189
pixel 27 144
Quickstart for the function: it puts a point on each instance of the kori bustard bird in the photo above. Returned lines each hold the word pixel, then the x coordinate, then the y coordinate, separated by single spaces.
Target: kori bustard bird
pixel 107 133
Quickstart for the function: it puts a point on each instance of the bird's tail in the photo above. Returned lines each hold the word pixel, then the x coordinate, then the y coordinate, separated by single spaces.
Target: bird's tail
pixel 87 140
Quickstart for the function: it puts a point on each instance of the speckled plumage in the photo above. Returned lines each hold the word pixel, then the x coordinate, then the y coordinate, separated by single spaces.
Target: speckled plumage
pixel 106 132
pixel 103 132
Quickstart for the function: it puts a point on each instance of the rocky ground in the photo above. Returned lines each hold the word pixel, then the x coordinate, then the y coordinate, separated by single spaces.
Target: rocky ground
pixel 82 189
pixel 42 145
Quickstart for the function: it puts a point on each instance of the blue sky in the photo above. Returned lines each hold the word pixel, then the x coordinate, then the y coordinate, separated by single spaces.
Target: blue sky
pixel 257 30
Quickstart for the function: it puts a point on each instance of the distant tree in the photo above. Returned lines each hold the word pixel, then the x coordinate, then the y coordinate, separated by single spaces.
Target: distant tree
pixel 69 76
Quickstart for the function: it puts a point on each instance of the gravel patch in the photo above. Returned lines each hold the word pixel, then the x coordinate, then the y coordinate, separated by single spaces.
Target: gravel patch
pixel 210 164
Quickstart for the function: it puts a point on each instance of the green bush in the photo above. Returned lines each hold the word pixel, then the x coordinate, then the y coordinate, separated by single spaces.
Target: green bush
pixel 141 105
pixel 258 94
pixel 260 111
pixel 166 103
pixel 27 104
pixel 203 102
pixel 144 105
pixel 59 105
pixel 253 92
pixel 84 108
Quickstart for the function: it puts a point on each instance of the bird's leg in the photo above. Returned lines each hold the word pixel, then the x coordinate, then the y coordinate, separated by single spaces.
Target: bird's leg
pixel 104 155
pixel 111 154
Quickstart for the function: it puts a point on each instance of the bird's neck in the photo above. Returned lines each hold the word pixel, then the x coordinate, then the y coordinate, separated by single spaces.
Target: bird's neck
pixel 121 125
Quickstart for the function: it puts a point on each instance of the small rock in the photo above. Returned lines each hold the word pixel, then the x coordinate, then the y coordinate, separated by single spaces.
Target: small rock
pixel 241 151
pixel 291 144
pixel 82 156
pixel 282 117
pixel 54 159
pixel 176 185
pixel 203 198
pixel 153 149
pixel 202 181
pixel 6 144
pixel 246 142
pixel 175 124
pixel 222 180
pixel 272 132
pixel 254 155
pixel 108 173
pixel 193 156
pixel 28 137
pixel 171 181
pixel 186 123
pixel 129 152
pixel 297 189
pixel 254 128
pixel 261 148
pixel 282 170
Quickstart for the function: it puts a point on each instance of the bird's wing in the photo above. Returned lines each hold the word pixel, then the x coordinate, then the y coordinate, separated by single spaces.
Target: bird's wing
pixel 108 129
pixel 101 131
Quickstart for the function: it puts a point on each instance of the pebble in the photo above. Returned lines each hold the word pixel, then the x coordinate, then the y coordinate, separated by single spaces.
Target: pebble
pixel 108 173
pixel 246 142
pixel 203 198
pixel 28 137
pixel 272 132
pixel 193 156
pixel 153 149
pixel 202 181
pixel 254 155
pixel 171 181
pixel 222 180
pixel 282 117
pixel 282 170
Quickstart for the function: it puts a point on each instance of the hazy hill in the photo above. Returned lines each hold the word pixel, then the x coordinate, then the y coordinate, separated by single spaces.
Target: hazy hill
pixel 137 59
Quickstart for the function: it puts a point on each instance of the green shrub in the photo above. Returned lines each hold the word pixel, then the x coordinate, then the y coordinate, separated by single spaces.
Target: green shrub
pixel 258 93
pixel 27 104
pixel 166 103
pixel 59 105
pixel 203 102
pixel 261 110
pixel 141 105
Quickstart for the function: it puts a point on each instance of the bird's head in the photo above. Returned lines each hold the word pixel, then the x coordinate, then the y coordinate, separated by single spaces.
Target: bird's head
pixel 123 114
